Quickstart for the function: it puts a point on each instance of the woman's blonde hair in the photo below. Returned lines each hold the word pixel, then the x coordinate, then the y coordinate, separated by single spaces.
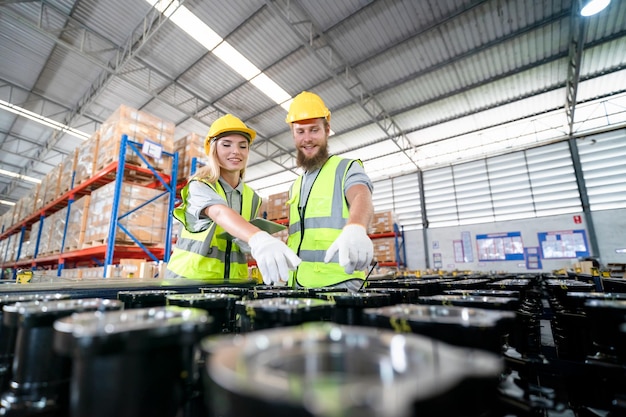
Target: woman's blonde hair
pixel 211 171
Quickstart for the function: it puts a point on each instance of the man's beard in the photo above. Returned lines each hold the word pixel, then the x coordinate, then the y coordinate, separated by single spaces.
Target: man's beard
pixel 314 162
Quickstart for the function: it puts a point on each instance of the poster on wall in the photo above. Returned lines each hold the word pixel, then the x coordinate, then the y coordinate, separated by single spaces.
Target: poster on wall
pixel 500 247
pixel 468 253
pixel 437 261
pixel 458 251
pixel 563 244
pixel 533 257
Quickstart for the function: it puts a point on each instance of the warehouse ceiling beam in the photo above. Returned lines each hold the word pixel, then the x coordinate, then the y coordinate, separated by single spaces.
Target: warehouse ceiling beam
pixel 473 52
pixel 101 57
pixel 267 148
pixel 34 143
pixel 554 58
pixel 151 23
pixel 317 42
pixel 578 29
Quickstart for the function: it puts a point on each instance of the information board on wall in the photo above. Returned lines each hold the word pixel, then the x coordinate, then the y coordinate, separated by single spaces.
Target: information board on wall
pixel 563 244
pixel 500 247
pixel 533 257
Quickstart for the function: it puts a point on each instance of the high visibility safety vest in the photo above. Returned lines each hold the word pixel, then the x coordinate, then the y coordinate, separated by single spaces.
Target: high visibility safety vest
pixel 202 255
pixel 325 214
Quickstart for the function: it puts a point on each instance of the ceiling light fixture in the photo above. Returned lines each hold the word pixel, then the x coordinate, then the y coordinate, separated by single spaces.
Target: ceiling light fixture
pixel 4 105
pixel 591 7
pixel 19 176
pixel 207 37
pixel 7 203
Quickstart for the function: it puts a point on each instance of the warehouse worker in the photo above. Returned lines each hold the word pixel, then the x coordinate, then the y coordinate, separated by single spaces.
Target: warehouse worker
pixel 330 205
pixel 216 200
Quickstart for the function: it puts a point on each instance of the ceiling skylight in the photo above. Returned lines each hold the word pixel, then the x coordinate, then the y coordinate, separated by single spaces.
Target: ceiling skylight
pixel 207 37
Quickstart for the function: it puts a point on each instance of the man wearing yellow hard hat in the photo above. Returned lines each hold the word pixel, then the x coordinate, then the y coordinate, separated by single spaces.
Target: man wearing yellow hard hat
pixel 330 205
pixel 216 200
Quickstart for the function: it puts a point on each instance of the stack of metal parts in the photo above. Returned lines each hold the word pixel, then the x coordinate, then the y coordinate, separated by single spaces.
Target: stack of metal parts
pixel 589 328
pixel 473 345
pixel 40 377
pixel 133 362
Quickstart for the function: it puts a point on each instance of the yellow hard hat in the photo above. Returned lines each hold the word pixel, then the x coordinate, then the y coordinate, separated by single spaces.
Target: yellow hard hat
pixel 227 124
pixel 307 106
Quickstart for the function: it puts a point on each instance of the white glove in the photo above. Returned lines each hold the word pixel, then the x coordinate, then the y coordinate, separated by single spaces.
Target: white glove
pixel 273 257
pixel 355 248
pixel 243 246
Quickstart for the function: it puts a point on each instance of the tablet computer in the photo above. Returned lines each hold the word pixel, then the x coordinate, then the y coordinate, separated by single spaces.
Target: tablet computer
pixel 263 224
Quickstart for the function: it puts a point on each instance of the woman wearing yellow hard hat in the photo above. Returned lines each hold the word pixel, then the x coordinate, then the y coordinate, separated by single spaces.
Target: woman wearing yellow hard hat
pixel 215 201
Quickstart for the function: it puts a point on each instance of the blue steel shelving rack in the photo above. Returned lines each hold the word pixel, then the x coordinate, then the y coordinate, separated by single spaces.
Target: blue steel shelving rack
pixel 400 249
pixel 94 254
pixel 170 189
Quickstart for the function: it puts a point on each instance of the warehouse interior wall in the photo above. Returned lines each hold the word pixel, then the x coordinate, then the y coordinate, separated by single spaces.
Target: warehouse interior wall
pixel 610 228
pixel 530 197
pixel 441 242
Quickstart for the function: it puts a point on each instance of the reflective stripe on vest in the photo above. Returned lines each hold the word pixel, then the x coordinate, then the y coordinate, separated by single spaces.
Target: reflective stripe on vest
pixel 201 255
pixel 325 214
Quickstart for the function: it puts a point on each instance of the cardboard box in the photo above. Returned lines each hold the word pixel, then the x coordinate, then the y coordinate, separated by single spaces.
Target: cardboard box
pixel 50 191
pixel 147 224
pixel 77 224
pixel 139 126
pixel 66 175
pixel 92 273
pixel 152 270
pixel 57 223
pixel 25 241
pixel 189 147
pixel 130 114
pixel 382 222
pixel 86 159
pixel 27 205
pixel 46 231
pixel 277 207
pixel 385 249
pixel 28 247
pixel 15 212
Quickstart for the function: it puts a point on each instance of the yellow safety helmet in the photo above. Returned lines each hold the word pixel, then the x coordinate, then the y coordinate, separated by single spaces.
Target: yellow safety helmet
pixel 307 106
pixel 227 124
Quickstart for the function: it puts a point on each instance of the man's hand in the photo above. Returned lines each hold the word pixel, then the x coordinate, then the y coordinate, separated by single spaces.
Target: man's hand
pixel 355 248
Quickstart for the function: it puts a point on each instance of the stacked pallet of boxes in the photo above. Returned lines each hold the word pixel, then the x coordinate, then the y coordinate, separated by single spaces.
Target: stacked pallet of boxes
pixel 147 224
pixel 13 247
pixel 12 215
pixel 4 221
pixel 50 187
pixel 86 155
pixel 28 246
pixel 141 127
pixel 27 203
pixel 4 243
pixel 188 147
pixel 52 233
pixel 77 224
pixel 384 247
pixel 277 207
pixel 90 216
pixel 66 172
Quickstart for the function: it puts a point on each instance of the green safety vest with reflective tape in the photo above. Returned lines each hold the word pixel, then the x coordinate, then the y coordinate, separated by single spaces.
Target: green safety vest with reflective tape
pixel 204 256
pixel 325 214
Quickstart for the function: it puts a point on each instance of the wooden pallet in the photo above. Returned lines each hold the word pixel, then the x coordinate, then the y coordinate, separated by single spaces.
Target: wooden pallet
pixel 49 253
pixel 118 242
pixel 72 248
